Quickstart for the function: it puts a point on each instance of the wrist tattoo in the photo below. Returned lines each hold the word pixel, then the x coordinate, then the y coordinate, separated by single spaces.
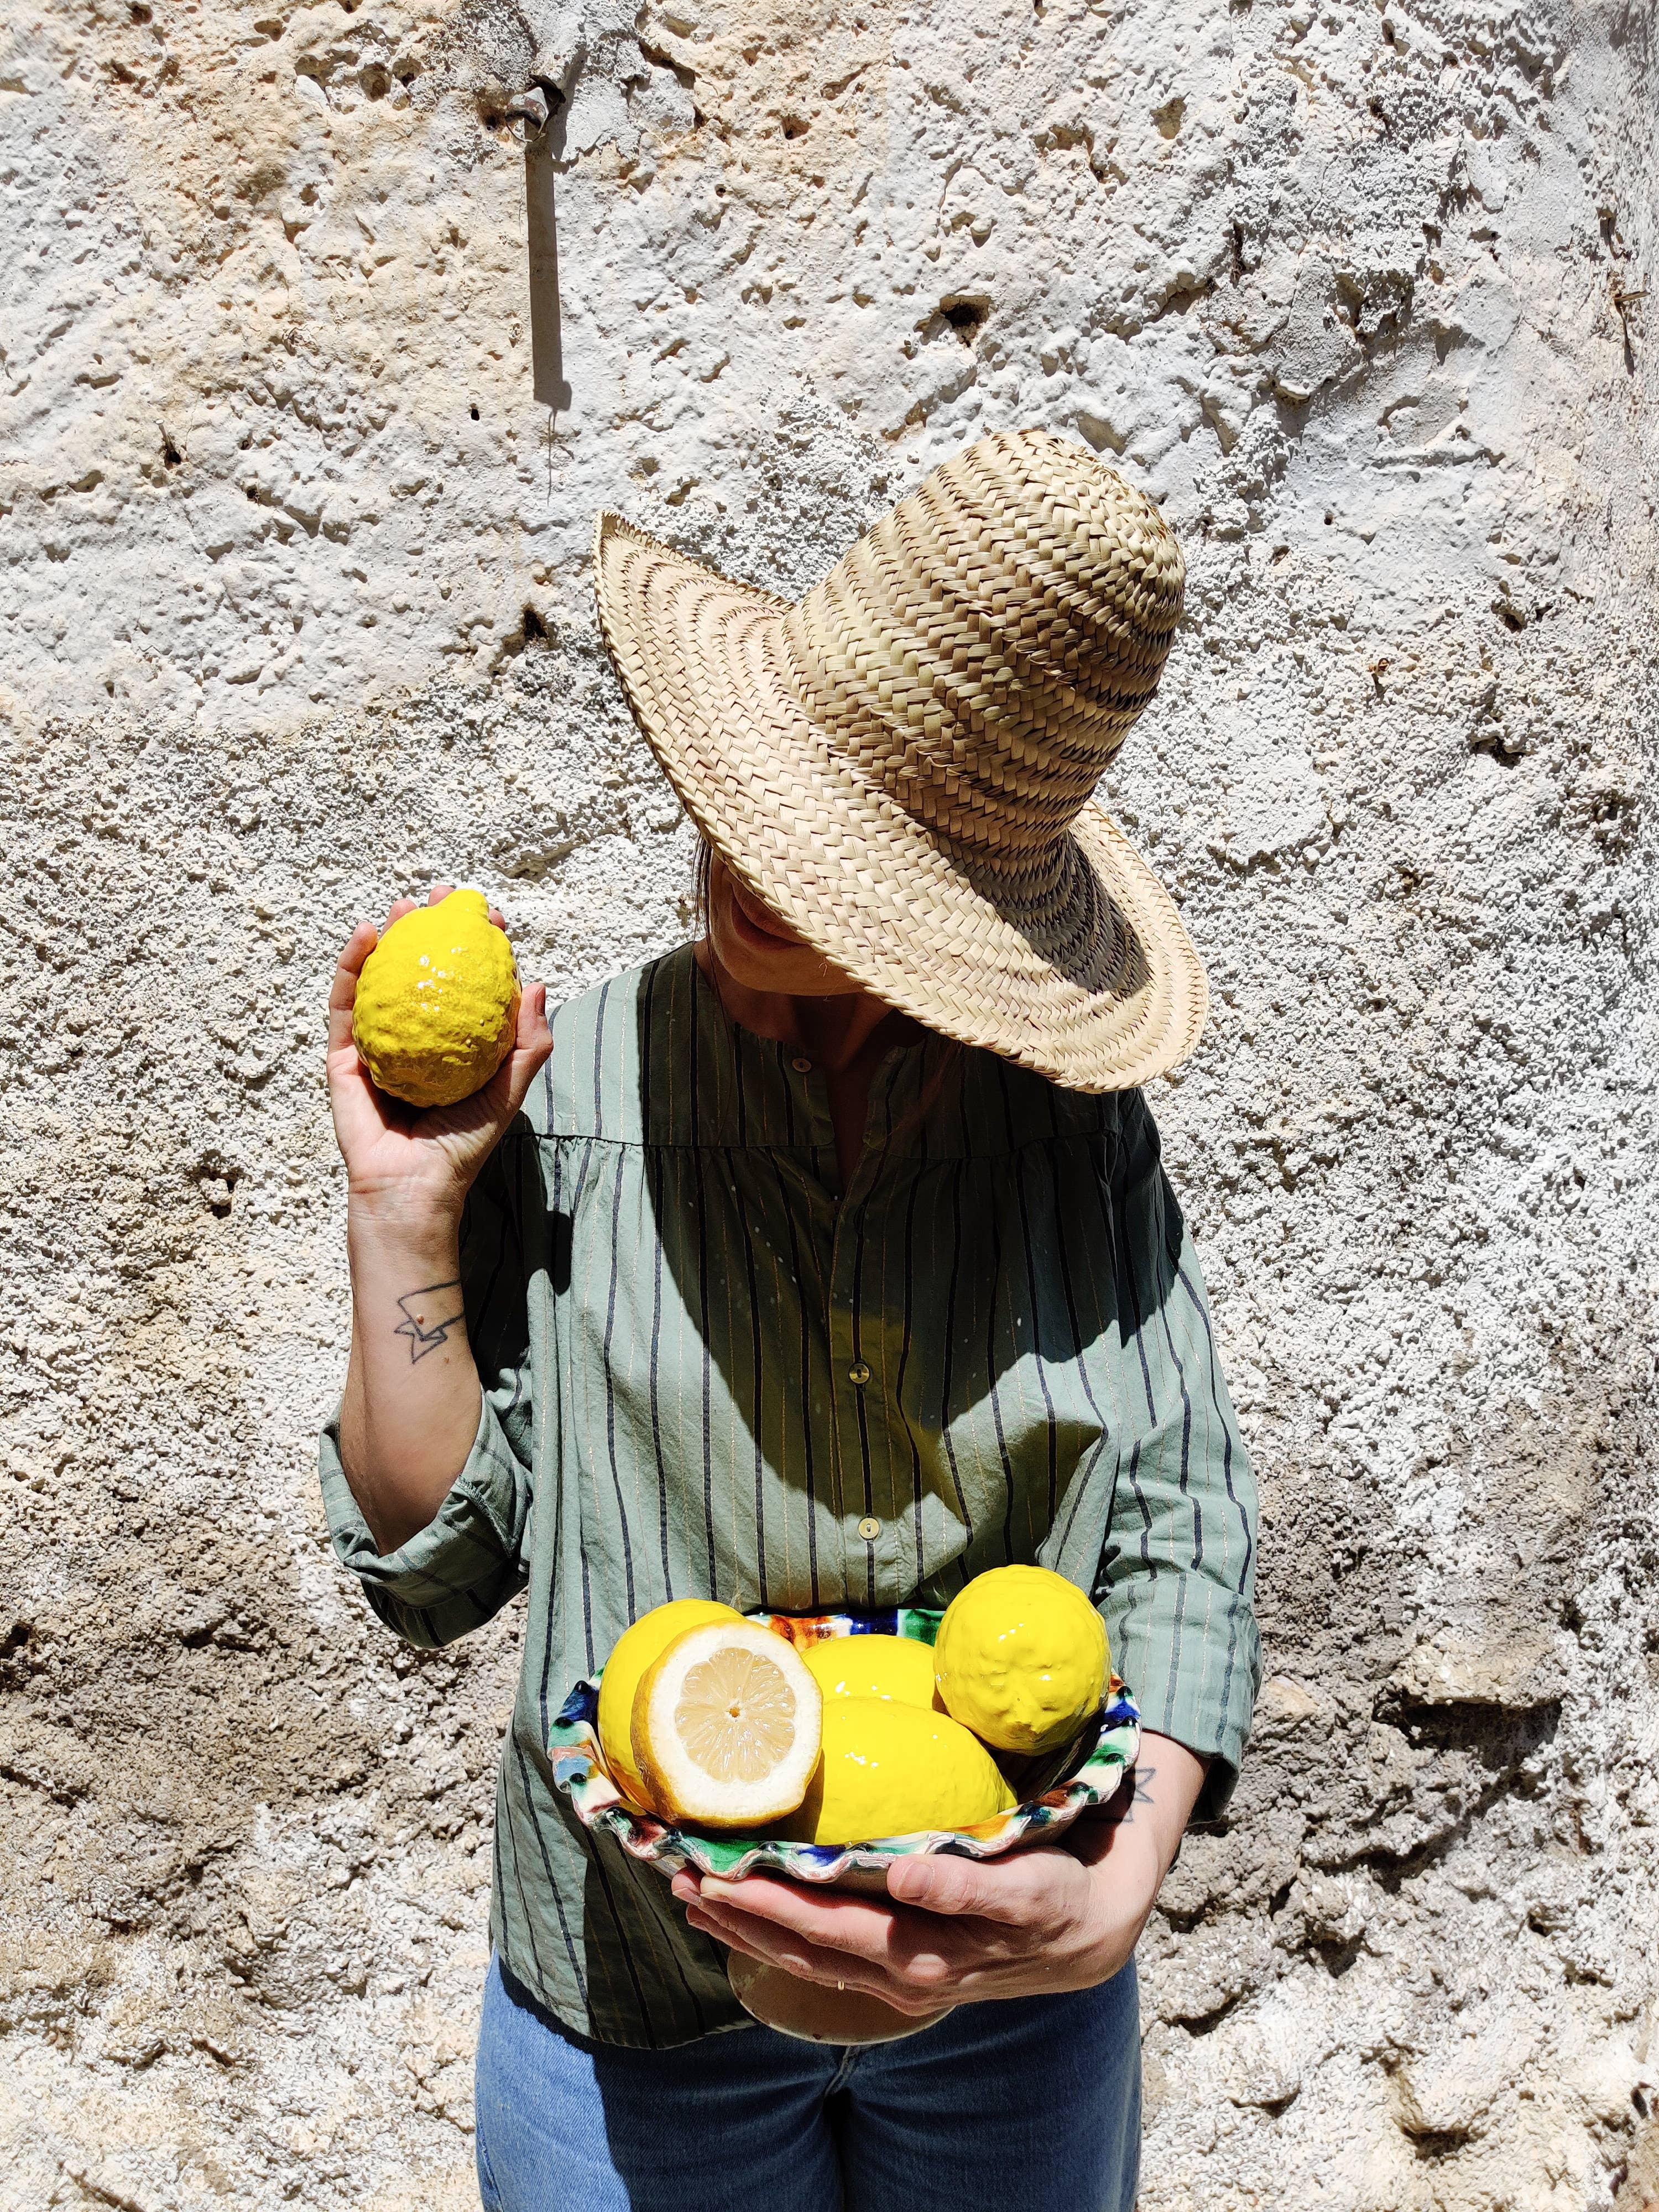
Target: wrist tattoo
pixel 1136 1789
pixel 429 1315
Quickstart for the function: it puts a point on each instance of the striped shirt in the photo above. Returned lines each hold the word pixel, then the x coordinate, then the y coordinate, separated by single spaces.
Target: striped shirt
pixel 708 1371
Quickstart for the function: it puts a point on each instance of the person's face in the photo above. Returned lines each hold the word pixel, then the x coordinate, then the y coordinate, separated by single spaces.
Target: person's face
pixel 758 951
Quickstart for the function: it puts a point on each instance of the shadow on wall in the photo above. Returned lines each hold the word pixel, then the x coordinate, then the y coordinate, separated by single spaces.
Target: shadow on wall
pixel 546 341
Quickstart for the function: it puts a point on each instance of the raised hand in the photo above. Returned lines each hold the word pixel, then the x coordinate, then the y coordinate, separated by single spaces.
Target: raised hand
pixel 398 1157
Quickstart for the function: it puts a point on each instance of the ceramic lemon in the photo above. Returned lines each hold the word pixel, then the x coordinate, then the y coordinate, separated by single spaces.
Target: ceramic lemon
pixel 1021 1658
pixel 889 1769
pixel 725 1727
pixel 437 1003
pixel 874 1666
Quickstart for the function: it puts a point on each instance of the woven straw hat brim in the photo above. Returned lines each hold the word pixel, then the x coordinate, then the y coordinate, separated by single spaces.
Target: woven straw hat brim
pixel 705 665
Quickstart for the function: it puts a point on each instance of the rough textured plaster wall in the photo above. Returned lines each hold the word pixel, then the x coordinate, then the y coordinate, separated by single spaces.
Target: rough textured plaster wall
pixel 294 572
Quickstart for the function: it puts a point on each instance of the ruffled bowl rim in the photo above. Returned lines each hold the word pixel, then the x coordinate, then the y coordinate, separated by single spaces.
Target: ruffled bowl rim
pixel 579 1769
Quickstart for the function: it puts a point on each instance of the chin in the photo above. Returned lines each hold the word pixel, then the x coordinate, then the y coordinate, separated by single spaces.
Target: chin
pixel 793 971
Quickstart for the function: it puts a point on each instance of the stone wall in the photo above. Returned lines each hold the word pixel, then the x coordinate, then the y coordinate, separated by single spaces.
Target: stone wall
pixel 300 470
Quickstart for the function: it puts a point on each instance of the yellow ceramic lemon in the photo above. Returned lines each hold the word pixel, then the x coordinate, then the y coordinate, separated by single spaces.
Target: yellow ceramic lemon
pixel 1021 1658
pixel 874 1666
pixel 636 1650
pixel 438 1002
pixel 889 1769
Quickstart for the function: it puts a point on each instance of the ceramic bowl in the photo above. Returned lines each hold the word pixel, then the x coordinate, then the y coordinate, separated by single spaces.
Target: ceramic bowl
pixel 1092 1776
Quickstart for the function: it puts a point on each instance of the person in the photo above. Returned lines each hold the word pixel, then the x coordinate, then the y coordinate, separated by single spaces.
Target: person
pixel 820 1265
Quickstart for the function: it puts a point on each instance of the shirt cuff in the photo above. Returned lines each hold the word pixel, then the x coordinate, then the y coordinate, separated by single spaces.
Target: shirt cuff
pixel 462 1566
pixel 1190 1655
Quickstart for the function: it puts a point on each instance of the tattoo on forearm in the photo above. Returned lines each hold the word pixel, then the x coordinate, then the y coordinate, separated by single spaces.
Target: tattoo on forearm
pixel 1135 1790
pixel 429 1316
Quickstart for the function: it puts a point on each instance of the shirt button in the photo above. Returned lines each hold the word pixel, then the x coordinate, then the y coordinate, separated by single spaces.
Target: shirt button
pixel 869 1528
pixel 859 1372
pixel 801 1066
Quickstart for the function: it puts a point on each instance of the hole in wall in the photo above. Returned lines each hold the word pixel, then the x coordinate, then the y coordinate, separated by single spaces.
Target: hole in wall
pixel 376 81
pixel 793 126
pixel 217 1182
pixel 532 631
pixel 170 455
pixel 473 412
pixel 967 313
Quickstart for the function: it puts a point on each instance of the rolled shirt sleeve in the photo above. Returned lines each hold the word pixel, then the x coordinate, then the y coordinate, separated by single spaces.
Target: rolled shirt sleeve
pixel 472 1556
pixel 1177 1573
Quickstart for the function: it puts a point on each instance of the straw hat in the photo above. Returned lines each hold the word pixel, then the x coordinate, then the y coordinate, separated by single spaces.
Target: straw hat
pixel 901 764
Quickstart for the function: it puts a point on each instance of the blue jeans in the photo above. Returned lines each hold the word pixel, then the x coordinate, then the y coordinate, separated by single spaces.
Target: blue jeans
pixel 1033 2102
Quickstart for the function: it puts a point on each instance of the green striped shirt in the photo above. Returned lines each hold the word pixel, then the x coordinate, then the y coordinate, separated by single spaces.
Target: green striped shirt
pixel 708 1371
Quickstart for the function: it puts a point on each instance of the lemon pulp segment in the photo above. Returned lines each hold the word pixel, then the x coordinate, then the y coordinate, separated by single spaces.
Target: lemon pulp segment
pixel 736 1714
pixel 1021 1658
pixel 874 1666
pixel 632 1652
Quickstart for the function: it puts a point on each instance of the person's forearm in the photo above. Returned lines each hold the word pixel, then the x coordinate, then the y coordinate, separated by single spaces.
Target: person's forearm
pixel 1147 1820
pixel 410 1409
pixel 1168 1779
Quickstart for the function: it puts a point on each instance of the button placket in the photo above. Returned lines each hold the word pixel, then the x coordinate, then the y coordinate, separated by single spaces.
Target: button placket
pixel 853 1374
pixel 863 1442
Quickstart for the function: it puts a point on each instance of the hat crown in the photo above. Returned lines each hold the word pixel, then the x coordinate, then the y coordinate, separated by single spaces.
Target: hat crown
pixel 981 653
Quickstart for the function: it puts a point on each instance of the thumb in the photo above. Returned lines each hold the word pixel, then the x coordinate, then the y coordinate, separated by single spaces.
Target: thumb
pixel 1000 1889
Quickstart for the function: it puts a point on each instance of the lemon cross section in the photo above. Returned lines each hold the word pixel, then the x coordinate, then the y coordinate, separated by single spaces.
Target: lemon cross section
pixel 636 1649
pixel 726 1728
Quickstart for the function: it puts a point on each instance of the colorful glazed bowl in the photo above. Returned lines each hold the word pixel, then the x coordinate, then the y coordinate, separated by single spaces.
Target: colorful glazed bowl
pixel 1092 1776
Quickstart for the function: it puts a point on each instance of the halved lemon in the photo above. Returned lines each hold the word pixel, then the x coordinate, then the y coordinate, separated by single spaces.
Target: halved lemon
pixel 635 1650
pixel 726 1726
